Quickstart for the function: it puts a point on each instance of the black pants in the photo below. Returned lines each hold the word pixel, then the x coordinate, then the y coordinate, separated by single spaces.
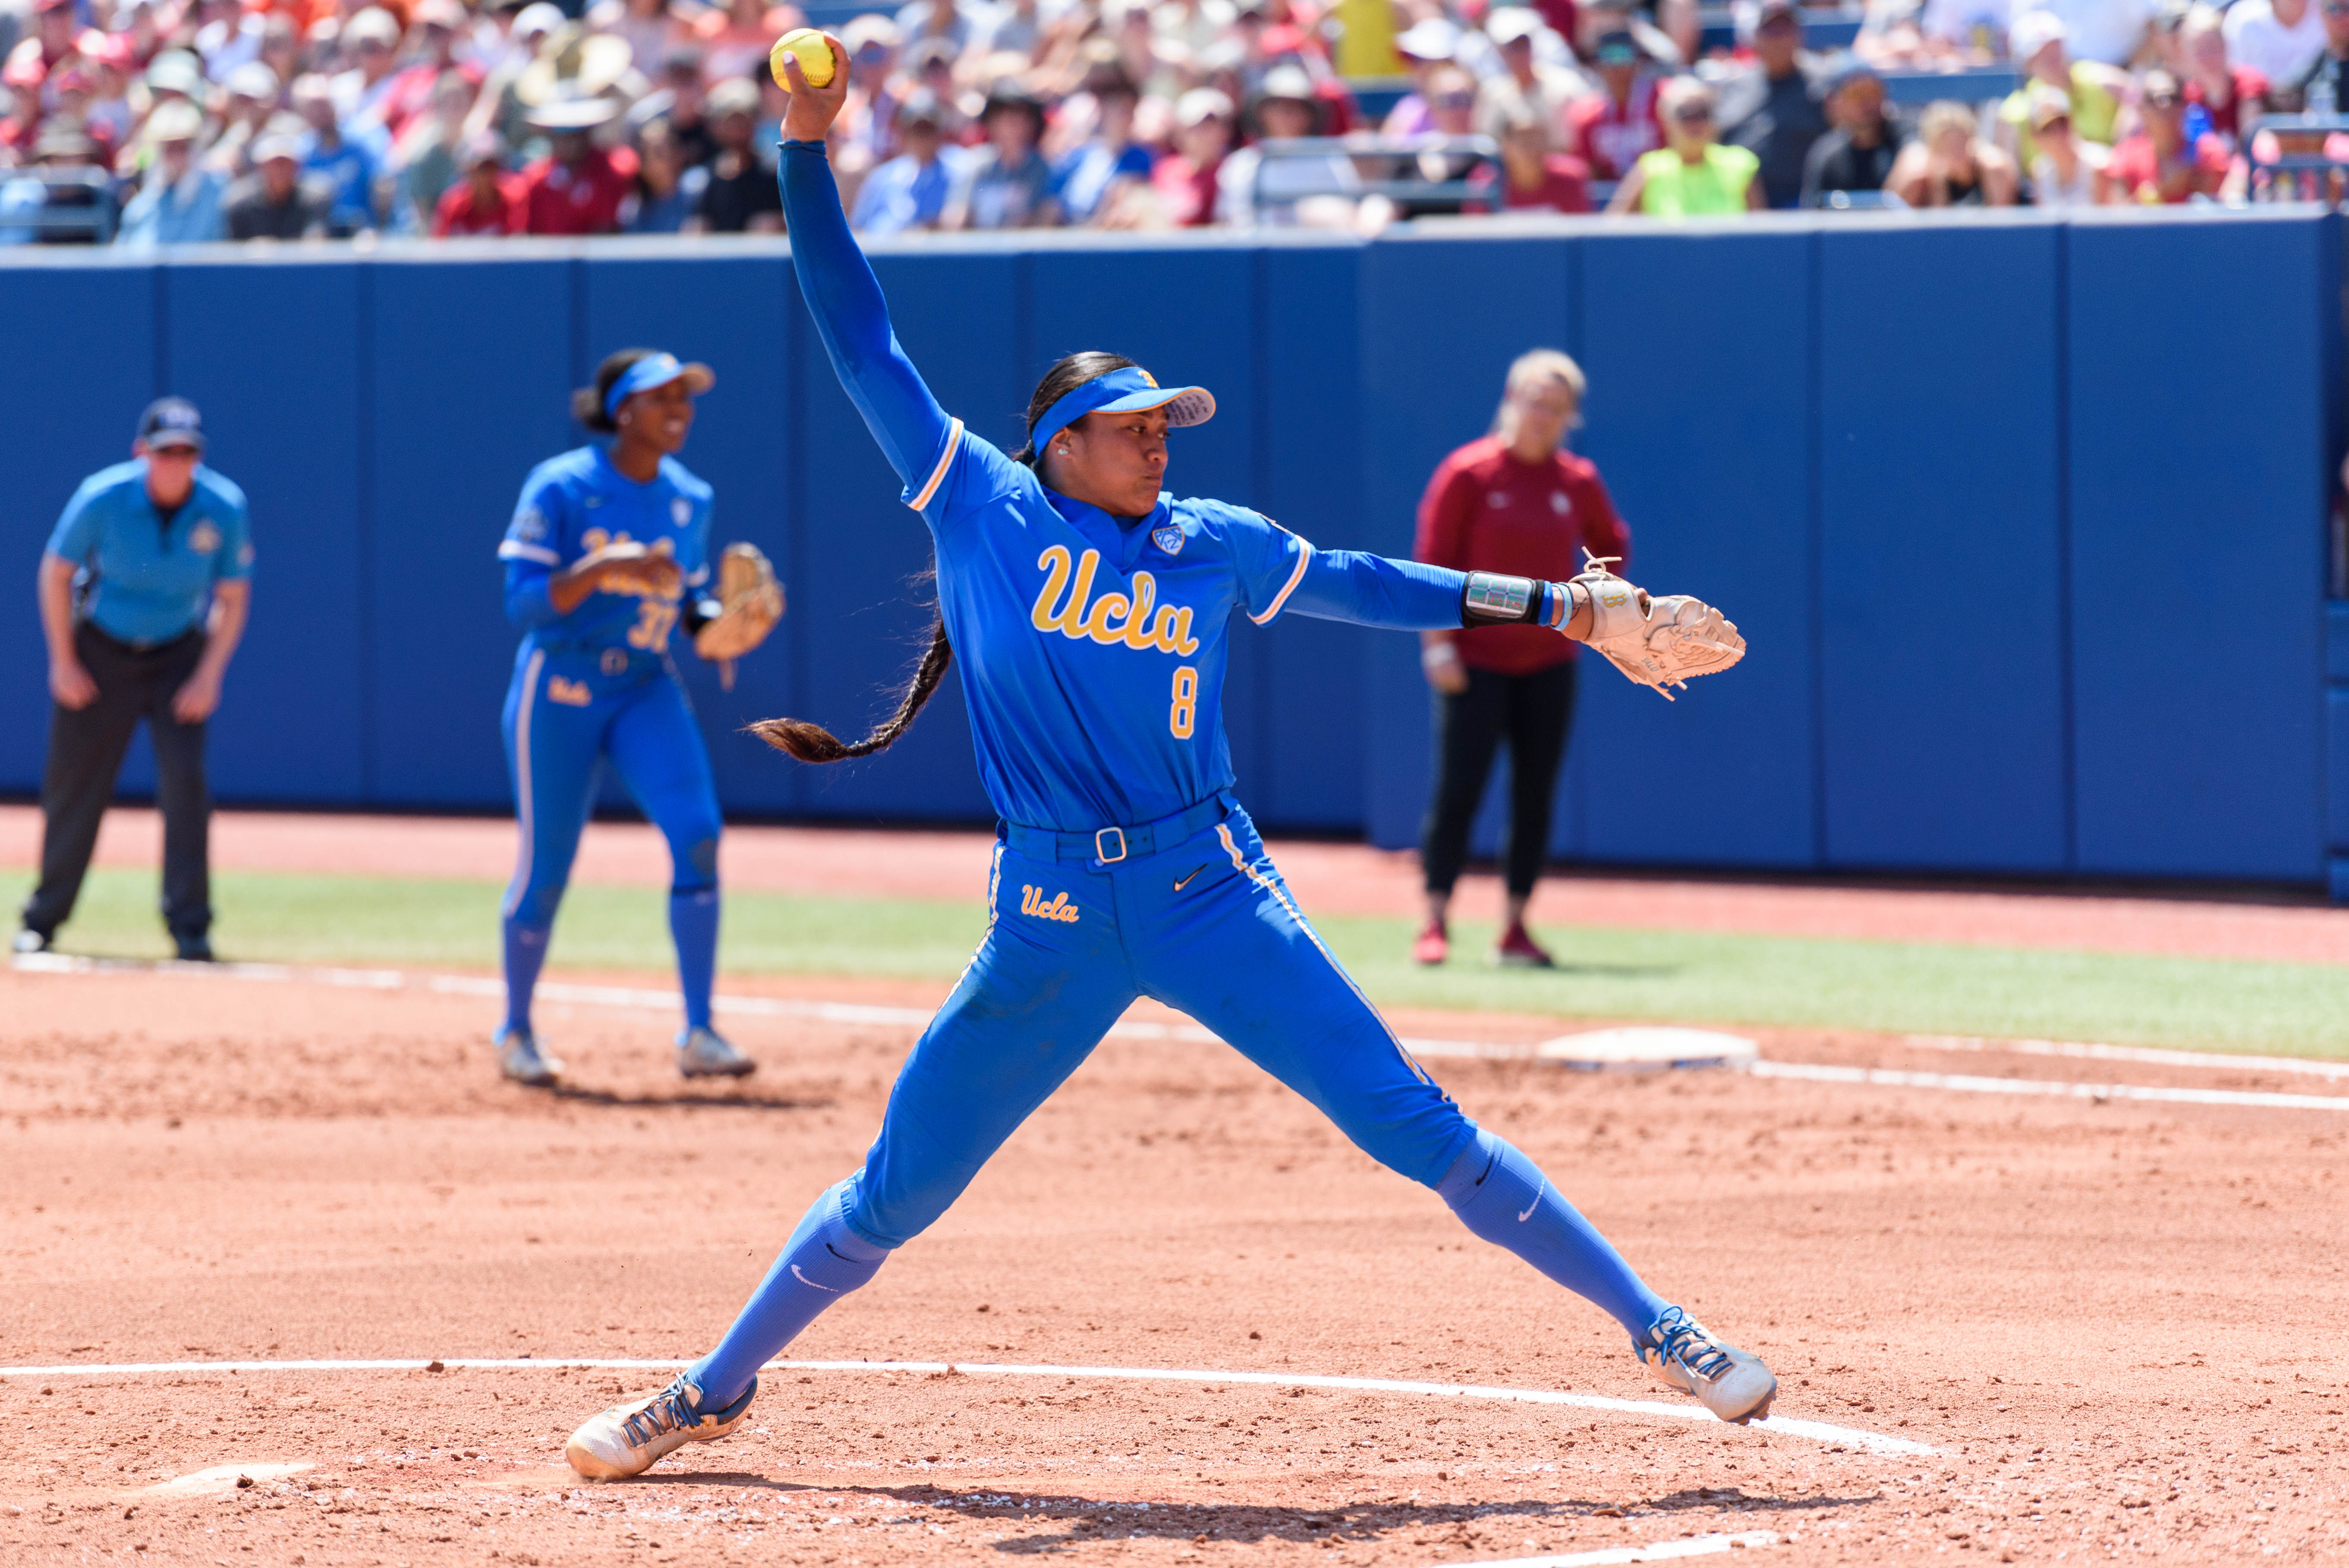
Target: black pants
pixel 1533 714
pixel 86 748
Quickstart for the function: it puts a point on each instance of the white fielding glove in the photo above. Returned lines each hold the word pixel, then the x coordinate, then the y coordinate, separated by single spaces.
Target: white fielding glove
pixel 1658 643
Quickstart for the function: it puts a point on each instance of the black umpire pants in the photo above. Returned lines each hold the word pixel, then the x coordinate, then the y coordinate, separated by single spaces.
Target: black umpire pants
pixel 86 748
pixel 1533 714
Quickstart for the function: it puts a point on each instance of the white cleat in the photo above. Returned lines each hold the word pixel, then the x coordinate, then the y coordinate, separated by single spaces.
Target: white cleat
pixel 629 1439
pixel 1731 1383
pixel 704 1053
pixel 519 1059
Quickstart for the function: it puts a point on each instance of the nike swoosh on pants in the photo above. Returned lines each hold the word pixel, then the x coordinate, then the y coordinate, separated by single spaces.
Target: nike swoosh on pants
pixel 1186 880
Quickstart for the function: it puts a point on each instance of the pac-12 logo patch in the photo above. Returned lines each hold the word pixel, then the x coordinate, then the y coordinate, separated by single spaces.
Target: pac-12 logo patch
pixel 682 511
pixel 1168 537
pixel 203 538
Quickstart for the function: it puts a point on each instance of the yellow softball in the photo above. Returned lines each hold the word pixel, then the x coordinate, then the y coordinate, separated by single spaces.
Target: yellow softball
pixel 815 56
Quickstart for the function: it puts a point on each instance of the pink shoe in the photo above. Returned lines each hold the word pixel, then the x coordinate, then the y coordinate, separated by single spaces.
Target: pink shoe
pixel 1434 945
pixel 1520 950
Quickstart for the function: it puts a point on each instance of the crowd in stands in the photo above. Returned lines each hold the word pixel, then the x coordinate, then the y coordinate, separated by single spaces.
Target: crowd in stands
pixel 248 120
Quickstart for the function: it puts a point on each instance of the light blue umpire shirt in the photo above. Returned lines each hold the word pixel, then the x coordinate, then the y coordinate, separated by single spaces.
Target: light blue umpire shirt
pixel 142 578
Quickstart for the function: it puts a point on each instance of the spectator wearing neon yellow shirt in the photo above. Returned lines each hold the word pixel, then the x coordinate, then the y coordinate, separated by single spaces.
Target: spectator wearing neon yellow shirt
pixel 1692 175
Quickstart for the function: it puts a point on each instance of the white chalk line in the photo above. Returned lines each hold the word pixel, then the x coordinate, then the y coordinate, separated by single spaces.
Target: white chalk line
pixel 869 1015
pixel 1654 1552
pixel 1783 1426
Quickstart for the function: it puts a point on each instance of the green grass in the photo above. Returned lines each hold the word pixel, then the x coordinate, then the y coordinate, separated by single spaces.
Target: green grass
pixel 1683 976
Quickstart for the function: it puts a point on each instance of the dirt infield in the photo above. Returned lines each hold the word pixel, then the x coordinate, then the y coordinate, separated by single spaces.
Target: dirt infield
pixel 2113 1322
pixel 1329 879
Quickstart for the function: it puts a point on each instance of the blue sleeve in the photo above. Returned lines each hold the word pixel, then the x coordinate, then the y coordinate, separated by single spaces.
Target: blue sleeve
pixel 76 537
pixel 528 604
pixel 852 319
pixel 232 561
pixel 1279 571
pixel 531 549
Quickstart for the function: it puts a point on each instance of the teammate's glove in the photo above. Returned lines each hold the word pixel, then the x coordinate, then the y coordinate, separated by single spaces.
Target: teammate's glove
pixel 1658 643
pixel 748 603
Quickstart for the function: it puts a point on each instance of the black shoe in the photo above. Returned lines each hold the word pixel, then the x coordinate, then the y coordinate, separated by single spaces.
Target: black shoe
pixel 29 941
pixel 196 949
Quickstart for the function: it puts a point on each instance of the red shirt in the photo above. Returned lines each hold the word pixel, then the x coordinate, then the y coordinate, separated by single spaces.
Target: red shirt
pixel 1610 139
pixel 558 199
pixel 1565 187
pixel 2136 168
pixel 2228 123
pixel 1487 511
pixel 458 214
pixel 1187 192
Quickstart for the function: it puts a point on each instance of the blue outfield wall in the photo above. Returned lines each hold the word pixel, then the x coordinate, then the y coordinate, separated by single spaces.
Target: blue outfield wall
pixel 1980 490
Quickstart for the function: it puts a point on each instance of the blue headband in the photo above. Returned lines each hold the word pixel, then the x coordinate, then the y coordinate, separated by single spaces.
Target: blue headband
pixel 655 370
pixel 1123 392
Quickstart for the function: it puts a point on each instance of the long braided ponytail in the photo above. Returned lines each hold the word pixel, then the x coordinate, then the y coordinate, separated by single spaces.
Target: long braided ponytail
pixel 812 742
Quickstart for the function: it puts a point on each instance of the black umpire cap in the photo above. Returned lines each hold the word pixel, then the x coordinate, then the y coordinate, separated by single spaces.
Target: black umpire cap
pixel 171 422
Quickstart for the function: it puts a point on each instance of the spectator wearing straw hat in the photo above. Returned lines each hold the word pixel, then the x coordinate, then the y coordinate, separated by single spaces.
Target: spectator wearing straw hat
pixel 1187 179
pixel 178 201
pixel 143 589
pixel 274 202
pixel 576 188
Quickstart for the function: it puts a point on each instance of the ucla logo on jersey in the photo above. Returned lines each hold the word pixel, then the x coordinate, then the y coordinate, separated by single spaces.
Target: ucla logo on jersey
pixel 1031 902
pixel 1168 537
pixel 204 538
pixel 1114 620
pixel 569 693
pixel 681 510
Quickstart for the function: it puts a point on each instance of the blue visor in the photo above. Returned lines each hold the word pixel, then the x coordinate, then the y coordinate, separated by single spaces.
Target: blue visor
pixel 656 370
pixel 1123 392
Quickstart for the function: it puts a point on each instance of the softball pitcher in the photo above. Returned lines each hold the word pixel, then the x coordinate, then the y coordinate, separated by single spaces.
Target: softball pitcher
pixel 1090 615
pixel 607 551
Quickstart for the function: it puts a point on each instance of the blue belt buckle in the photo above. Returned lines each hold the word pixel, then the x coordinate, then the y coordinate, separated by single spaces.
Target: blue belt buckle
pixel 1103 855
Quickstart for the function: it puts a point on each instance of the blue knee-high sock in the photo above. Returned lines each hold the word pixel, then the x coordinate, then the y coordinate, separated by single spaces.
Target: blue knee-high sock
pixel 823 1260
pixel 1503 1196
pixel 693 924
pixel 525 952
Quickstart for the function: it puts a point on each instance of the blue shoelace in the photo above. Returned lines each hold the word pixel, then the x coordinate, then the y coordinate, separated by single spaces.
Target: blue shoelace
pixel 1677 1337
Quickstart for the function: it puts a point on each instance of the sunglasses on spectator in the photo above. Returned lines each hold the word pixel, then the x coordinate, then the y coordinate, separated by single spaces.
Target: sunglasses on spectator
pixel 2164 101
pixel 1455 100
pixel 1694 114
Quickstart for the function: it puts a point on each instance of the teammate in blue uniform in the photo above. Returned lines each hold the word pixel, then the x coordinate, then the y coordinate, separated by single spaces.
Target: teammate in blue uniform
pixel 608 548
pixel 1090 614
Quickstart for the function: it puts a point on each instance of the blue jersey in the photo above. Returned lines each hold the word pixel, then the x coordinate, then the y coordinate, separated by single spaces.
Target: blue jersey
pixel 1091 647
pixel 141 579
pixel 578 504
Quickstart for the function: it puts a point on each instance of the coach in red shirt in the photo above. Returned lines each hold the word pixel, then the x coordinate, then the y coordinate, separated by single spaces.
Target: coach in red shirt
pixel 1514 502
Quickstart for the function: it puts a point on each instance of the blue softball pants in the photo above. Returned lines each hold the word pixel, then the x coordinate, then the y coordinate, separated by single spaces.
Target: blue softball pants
pixel 567 714
pixel 1208 927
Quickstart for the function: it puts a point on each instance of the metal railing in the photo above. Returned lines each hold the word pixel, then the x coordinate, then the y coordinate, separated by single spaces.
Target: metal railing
pixel 56 204
pixel 1420 174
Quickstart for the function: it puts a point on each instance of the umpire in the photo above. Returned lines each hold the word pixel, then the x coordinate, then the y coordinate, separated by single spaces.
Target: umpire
pixel 1517 504
pixel 144 589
